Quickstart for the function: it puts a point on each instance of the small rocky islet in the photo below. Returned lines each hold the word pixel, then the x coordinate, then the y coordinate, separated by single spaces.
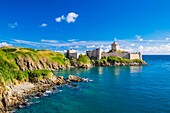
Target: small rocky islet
pixel 25 71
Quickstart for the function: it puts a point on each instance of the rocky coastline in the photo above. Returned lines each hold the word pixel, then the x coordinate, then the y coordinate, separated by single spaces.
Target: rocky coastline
pixel 26 71
pixel 121 64
pixel 17 96
pixel 94 64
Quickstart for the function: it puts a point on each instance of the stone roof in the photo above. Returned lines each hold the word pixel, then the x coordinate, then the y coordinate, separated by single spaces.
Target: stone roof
pixel 115 43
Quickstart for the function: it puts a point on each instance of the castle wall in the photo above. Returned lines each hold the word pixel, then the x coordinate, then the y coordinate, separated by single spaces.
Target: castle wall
pixel 89 53
pixel 127 55
pixel 135 56
pixel 73 55
pixel 96 53
pixel 123 55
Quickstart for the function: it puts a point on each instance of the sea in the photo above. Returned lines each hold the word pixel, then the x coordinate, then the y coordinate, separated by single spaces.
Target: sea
pixel 121 89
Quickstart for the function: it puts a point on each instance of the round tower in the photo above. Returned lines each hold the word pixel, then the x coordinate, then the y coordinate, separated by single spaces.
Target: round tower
pixel 140 55
pixel 115 46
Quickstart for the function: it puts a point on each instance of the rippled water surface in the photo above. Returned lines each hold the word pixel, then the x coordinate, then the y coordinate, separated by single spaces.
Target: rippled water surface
pixel 134 89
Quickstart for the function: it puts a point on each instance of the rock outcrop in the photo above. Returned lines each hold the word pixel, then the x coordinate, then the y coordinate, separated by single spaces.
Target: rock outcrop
pixel 16 96
pixel 121 64
pixel 29 64
pixel 72 78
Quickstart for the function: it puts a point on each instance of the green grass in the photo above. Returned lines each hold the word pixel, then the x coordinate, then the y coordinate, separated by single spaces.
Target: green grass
pixel 83 59
pixel 10 71
pixel 60 58
pixel 115 59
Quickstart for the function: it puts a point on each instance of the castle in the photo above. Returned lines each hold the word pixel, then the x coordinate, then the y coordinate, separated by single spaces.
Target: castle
pixel 72 54
pixel 98 54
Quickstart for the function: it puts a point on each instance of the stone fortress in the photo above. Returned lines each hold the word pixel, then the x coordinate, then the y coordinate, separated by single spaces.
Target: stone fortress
pixel 115 51
pixel 72 54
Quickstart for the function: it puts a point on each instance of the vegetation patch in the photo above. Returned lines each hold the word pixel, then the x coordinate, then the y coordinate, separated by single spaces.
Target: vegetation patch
pixel 83 59
pixel 10 71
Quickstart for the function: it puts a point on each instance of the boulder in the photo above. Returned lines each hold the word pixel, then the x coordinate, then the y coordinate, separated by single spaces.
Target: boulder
pixel 73 78
pixel 20 107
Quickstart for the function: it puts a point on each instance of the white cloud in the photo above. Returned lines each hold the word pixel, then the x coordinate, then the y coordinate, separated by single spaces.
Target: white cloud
pixel 71 17
pixel 91 46
pixel 167 39
pixel 154 47
pixel 101 46
pixel 75 47
pixel 43 25
pixel 139 38
pixel 83 41
pixel 161 49
pixel 150 41
pixel 13 25
pixel 61 51
pixel 72 40
pixel 140 48
pixel 59 19
pixel 132 45
pixel 25 42
pixel 49 41
pixel 4 44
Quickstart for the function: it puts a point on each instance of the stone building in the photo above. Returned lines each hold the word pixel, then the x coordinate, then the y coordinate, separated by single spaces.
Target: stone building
pixel 72 54
pixel 94 54
pixel 115 46
pixel 127 55
pixel 97 53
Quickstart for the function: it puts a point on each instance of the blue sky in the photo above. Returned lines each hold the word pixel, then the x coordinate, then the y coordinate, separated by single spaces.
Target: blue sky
pixel 137 25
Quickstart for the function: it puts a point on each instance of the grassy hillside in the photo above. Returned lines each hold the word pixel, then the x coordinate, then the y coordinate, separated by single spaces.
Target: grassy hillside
pixel 12 60
pixel 82 60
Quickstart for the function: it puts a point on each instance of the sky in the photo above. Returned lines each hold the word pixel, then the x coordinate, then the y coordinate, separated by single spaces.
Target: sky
pixel 58 25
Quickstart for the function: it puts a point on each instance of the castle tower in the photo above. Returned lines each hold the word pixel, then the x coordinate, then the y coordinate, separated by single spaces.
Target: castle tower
pixel 115 46
pixel 99 52
pixel 140 55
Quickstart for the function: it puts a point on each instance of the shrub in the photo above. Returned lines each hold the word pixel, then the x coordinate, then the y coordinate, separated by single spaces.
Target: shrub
pixel 113 59
pixel 83 59
pixel 9 49
pixel 38 73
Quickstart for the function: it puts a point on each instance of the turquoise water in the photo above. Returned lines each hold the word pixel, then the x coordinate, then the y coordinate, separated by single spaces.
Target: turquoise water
pixel 135 89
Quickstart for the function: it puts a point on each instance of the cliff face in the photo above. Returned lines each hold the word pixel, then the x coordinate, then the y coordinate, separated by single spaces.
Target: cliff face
pixel 44 63
pixel 18 60
pixel 37 60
